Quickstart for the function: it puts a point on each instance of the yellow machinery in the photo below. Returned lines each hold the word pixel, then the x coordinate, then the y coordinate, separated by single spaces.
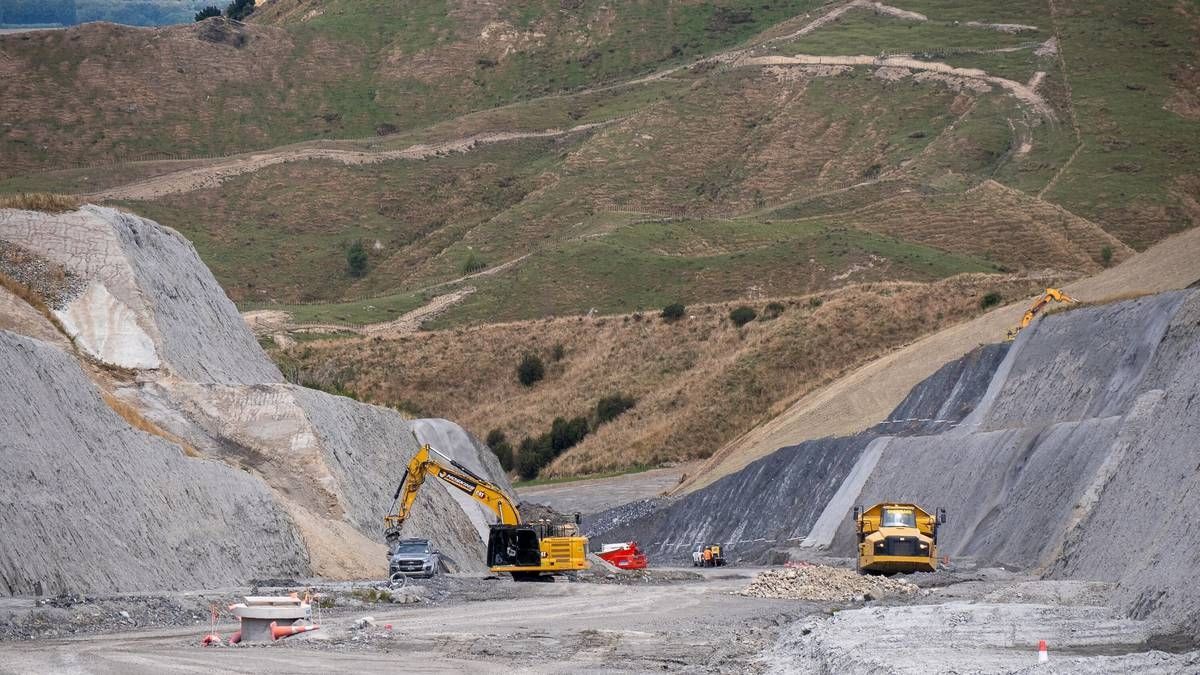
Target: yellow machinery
pixel 1051 295
pixel 897 538
pixel 525 550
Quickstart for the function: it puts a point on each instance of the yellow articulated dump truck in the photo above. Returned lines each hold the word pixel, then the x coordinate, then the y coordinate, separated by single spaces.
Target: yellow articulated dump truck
pixel 895 537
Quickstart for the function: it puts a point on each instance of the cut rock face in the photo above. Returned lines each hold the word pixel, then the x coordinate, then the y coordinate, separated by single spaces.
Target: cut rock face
pixel 1071 454
pixel 144 282
pixel 90 503
pixel 107 330
pixel 215 471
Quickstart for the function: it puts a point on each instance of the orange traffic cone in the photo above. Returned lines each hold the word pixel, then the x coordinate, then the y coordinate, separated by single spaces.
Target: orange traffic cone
pixel 1043 653
pixel 286 631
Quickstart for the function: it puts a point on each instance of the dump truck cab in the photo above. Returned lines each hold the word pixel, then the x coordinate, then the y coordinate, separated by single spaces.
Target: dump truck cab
pixel 897 537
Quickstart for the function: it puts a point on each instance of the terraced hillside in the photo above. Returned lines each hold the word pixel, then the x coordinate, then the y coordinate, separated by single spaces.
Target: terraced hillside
pixel 350 165
pixel 802 123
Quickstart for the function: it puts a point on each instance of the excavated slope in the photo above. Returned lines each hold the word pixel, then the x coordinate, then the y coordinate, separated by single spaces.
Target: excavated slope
pixel 1077 460
pixel 150 302
pixel 88 502
pixel 779 499
pixel 178 405
pixel 859 400
pixel 1081 460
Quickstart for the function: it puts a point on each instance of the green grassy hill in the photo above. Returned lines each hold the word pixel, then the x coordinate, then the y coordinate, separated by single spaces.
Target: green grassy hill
pixel 744 174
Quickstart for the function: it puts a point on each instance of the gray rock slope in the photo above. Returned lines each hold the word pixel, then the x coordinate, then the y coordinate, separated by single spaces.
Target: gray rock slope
pixel 147 290
pixel 88 502
pixel 150 328
pixel 1083 459
pixel 778 499
pixel 1079 458
pixel 203 337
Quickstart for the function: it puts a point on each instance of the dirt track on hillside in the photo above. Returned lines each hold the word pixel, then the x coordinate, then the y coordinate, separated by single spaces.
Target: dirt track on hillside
pixel 213 174
pixel 869 394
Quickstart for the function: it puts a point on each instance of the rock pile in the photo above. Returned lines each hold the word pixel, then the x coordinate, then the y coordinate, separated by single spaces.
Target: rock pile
pixel 822 583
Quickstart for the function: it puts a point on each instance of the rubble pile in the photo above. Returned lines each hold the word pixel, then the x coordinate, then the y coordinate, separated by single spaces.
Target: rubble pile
pixel 822 583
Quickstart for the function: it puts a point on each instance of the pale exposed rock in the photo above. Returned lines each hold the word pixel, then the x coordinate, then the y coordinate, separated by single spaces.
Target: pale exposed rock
pixel 107 329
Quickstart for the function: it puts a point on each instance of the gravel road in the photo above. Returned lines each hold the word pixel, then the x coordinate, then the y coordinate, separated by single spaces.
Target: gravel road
pixel 530 627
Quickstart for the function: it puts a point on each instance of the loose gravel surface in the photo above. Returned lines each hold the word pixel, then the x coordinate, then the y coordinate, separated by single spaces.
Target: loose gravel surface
pixel 972 620
pixel 822 583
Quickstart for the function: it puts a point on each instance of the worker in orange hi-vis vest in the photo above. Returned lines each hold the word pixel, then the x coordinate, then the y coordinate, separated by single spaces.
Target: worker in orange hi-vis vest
pixel 708 556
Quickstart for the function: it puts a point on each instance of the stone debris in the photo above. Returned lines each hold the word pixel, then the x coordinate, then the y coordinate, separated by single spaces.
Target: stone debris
pixel 822 583
pixel 55 285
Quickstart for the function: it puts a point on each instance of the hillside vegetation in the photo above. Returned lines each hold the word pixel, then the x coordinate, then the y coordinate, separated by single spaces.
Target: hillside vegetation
pixel 697 382
pixel 343 164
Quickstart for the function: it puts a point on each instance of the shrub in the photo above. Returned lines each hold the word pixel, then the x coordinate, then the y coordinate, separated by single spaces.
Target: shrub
pixel 558 352
pixel 239 9
pixel 990 300
pixel 815 302
pixel 1106 254
pixel 498 442
pixel 566 434
pixel 207 12
pixel 611 407
pixel 530 370
pixel 356 259
pixel 533 454
pixel 473 264
pixel 742 316
pixel 772 311
pixel 673 312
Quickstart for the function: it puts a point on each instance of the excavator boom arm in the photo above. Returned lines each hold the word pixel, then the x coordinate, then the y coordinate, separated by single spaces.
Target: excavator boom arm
pixel 454 474
pixel 1051 295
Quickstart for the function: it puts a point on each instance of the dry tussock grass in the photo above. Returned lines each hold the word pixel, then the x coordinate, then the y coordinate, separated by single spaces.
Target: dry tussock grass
pixel 136 420
pixel 27 294
pixel 699 382
pixel 39 201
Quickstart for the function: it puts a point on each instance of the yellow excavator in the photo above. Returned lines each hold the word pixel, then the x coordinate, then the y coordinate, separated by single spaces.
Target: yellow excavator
pixel 524 550
pixel 1051 295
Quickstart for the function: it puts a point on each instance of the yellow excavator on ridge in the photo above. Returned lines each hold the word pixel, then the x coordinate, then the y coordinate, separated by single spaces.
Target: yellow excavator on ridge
pixel 1051 295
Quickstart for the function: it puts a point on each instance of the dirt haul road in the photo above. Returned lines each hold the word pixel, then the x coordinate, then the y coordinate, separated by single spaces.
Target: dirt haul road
pixel 976 620
pixel 558 627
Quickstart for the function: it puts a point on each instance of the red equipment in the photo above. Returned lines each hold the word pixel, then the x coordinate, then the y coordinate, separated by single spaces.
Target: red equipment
pixel 626 556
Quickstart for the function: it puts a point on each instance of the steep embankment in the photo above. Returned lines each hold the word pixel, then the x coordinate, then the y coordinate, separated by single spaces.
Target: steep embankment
pixel 89 502
pixel 867 395
pixel 1077 461
pixel 778 500
pixel 137 394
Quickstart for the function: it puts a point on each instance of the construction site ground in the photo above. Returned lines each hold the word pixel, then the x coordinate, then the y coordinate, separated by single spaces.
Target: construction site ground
pixel 988 620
